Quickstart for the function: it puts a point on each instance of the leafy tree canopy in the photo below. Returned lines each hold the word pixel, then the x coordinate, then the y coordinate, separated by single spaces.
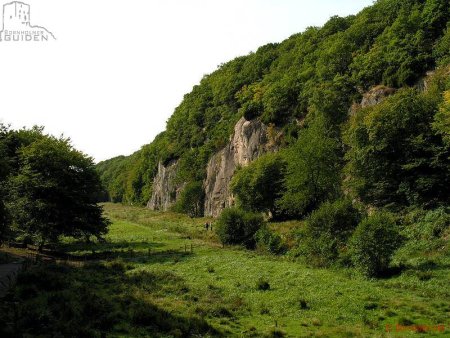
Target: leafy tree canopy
pixel 53 189
pixel 320 72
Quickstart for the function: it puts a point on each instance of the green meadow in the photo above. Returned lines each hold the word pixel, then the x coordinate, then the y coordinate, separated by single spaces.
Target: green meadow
pixel 156 285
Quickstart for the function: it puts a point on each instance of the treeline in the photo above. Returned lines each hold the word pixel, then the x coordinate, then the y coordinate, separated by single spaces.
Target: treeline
pixel 378 183
pixel 48 189
pixel 308 82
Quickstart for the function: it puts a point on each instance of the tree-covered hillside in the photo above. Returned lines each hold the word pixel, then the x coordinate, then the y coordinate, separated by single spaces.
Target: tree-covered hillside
pixel 396 153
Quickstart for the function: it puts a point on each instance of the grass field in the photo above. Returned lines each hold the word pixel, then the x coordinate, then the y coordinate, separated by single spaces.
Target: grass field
pixel 215 291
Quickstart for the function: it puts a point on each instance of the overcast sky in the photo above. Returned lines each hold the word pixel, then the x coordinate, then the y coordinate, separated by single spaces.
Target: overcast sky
pixel 119 68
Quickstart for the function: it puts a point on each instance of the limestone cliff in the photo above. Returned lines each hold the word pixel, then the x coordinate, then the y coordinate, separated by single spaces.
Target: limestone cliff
pixel 371 98
pixel 376 95
pixel 248 142
pixel 165 190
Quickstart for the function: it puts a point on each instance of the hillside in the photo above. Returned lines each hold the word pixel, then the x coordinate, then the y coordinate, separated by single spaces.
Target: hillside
pixel 280 90
pixel 301 190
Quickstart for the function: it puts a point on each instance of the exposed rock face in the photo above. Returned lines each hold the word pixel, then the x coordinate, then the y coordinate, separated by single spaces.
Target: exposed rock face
pixel 371 98
pixel 247 144
pixel 376 95
pixel 423 83
pixel 165 191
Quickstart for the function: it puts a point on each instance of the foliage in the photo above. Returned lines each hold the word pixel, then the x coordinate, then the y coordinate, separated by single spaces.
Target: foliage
pixel 425 233
pixel 269 241
pixel 395 156
pixel 236 226
pixel 432 225
pixel 313 166
pixel 4 222
pixel 442 119
pixel 191 200
pixel 373 244
pixel 442 50
pixel 319 72
pixel 53 188
pixel 327 231
pixel 258 185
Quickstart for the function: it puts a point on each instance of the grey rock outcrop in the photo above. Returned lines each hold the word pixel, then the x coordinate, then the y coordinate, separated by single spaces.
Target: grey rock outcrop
pixel 165 191
pixel 376 95
pixel 371 98
pixel 248 142
pixel 423 83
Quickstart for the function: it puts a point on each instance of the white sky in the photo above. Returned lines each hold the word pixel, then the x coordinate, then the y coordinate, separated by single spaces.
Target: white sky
pixel 119 68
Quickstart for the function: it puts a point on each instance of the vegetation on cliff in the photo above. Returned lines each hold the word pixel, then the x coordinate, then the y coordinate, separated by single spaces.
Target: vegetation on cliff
pixel 316 74
pixel 391 152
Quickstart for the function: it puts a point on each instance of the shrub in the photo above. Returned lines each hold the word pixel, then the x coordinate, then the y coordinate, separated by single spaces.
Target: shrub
pixel 434 223
pixel 258 185
pixel 328 230
pixel 373 243
pixel 425 232
pixel 236 226
pixel 267 240
pixel 191 200
pixel 303 304
pixel 262 284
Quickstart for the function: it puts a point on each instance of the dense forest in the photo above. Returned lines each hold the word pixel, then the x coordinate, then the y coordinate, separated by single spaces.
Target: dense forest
pixel 313 78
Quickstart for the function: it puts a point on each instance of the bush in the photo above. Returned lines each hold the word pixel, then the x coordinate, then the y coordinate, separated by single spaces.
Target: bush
pixel 262 284
pixel 267 240
pixel 425 232
pixel 434 223
pixel 236 226
pixel 373 243
pixel 328 230
pixel 258 185
pixel 191 200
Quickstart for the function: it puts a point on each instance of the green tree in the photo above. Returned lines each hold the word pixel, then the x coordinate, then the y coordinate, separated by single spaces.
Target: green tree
pixel 259 185
pixel 236 226
pixel 4 168
pixel 395 156
pixel 313 170
pixel 373 243
pixel 54 193
pixel 4 222
pixel 327 231
pixel 192 200
pixel 269 241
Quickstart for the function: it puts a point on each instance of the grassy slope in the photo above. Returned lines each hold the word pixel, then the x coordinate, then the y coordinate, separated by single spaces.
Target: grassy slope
pixel 222 284
pixel 163 292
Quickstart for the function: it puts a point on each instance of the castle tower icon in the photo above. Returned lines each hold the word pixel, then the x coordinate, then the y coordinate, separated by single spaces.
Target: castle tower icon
pixel 17 24
pixel 16 15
